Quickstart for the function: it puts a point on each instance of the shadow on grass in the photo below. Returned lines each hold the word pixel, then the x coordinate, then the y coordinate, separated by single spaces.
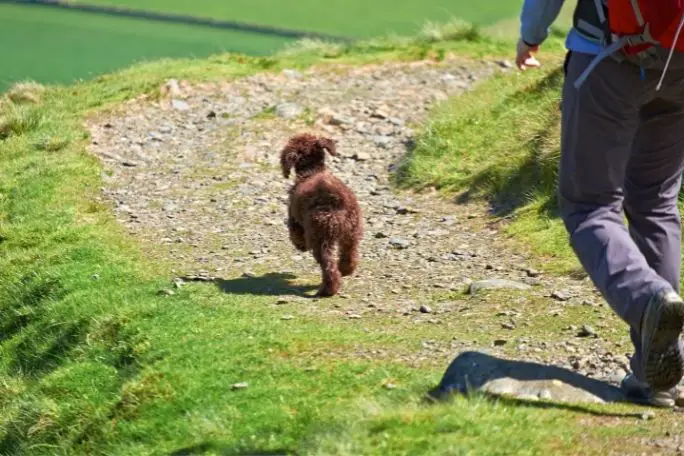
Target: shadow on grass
pixel 508 188
pixel 34 359
pixel 272 284
pixel 225 450
pixel 505 379
pixel 30 294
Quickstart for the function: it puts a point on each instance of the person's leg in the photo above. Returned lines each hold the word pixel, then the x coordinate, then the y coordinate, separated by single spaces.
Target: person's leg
pixel 599 124
pixel 652 185
pixel 651 188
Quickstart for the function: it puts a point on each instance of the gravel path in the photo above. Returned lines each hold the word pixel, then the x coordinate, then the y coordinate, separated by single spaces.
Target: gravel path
pixel 197 175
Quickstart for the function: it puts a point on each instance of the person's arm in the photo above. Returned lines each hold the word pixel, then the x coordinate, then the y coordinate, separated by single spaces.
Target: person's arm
pixel 536 19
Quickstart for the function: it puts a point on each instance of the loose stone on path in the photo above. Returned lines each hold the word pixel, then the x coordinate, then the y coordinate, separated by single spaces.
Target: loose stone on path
pixel 497 284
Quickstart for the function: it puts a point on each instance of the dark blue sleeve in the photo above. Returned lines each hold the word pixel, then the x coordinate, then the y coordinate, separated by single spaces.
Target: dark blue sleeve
pixel 536 19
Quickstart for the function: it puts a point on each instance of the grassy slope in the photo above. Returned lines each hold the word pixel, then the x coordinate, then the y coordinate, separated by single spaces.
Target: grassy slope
pixel 62 46
pixel 94 360
pixel 356 18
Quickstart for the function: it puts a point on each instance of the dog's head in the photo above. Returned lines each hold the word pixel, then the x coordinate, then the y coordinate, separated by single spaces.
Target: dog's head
pixel 305 153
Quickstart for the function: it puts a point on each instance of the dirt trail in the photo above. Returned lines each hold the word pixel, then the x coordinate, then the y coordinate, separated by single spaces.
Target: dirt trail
pixel 198 174
pixel 202 177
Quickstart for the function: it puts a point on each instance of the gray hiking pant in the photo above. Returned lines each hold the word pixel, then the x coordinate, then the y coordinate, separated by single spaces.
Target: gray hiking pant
pixel 622 155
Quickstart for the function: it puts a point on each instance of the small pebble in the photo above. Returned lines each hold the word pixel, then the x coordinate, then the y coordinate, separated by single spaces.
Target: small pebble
pixel 533 273
pixel 560 296
pixel 646 416
pixel 587 331
pixel 399 243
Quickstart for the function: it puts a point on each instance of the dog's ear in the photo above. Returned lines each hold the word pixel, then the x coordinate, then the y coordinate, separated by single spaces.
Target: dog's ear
pixel 328 144
pixel 288 157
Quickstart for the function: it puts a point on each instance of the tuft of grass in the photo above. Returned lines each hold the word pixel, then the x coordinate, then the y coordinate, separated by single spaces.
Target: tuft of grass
pixel 312 47
pixel 52 143
pixel 25 92
pixel 452 30
pixel 17 119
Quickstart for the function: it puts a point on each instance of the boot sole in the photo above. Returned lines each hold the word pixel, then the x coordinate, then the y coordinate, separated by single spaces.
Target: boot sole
pixel 663 357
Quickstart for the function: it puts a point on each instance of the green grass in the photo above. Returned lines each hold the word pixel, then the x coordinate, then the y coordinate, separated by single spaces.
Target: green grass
pixel 63 46
pixel 354 18
pixel 95 360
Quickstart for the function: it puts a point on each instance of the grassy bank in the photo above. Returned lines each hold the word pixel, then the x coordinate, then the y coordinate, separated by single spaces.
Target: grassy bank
pixel 97 357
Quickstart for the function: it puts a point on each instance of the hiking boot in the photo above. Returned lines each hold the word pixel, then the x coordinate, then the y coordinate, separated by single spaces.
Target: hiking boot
pixel 661 325
pixel 638 389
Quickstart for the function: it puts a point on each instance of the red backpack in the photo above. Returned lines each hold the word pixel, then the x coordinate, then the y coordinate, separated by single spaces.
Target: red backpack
pixel 636 26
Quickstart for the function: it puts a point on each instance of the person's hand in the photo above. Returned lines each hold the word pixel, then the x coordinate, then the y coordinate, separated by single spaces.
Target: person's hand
pixel 524 57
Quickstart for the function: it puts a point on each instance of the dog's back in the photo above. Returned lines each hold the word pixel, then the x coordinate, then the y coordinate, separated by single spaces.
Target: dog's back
pixel 325 192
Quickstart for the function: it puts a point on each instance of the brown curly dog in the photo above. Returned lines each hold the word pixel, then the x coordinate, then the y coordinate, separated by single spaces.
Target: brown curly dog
pixel 323 213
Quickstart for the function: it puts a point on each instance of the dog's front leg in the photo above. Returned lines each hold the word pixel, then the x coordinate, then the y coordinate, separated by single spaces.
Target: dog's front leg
pixel 296 234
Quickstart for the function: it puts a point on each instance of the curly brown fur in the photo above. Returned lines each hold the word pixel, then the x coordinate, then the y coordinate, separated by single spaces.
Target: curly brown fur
pixel 323 213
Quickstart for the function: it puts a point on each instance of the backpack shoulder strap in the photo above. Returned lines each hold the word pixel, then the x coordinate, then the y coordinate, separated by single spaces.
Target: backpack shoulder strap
pixel 590 20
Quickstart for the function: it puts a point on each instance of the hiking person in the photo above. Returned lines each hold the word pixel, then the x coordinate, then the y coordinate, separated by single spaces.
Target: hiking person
pixel 622 150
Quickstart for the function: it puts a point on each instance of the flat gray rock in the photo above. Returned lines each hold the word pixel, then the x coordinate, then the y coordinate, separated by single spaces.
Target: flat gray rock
pixel 476 371
pixel 494 284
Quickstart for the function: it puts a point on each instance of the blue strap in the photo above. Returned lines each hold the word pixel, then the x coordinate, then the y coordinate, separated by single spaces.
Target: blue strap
pixel 617 45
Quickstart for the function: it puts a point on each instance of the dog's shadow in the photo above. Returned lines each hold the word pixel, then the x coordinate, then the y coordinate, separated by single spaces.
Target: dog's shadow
pixel 271 284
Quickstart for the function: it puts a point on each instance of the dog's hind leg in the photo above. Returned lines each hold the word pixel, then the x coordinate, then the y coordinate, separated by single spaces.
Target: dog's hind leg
pixel 349 256
pixel 331 278
pixel 296 234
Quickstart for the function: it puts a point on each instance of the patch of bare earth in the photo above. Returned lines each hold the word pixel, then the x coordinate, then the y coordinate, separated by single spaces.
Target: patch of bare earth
pixel 196 178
